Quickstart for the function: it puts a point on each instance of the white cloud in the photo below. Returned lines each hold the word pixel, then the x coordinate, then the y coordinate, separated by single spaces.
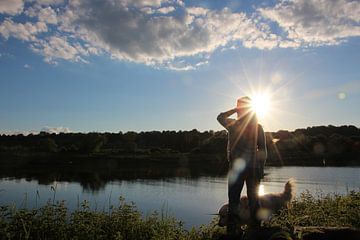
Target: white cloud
pixel 148 10
pixel 179 66
pixel 59 47
pixel 47 2
pixel 11 7
pixel 7 55
pixel 16 132
pixel 47 129
pixel 162 10
pixel 47 15
pixel 166 10
pixel 25 32
pixel 56 130
pixel 197 11
pixel 44 14
pixel 129 30
pixel 142 3
pixel 27 66
pixel 314 22
pixel 162 33
pixel 201 63
pixel 133 35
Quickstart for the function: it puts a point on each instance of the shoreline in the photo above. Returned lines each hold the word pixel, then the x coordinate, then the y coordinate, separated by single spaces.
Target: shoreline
pixel 159 158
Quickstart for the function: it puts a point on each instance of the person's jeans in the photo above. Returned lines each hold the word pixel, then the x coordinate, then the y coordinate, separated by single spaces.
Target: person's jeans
pixel 252 178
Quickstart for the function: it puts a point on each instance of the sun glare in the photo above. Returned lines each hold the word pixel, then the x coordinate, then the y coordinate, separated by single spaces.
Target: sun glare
pixel 260 104
pixel 261 190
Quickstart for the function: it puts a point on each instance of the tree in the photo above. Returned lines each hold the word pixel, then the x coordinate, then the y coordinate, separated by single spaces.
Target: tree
pixel 92 142
pixel 47 145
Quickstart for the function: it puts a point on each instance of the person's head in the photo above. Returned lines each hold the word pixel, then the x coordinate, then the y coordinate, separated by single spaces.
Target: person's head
pixel 243 105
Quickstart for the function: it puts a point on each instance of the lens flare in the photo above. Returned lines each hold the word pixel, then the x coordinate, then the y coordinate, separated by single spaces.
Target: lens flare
pixel 263 214
pixel 237 168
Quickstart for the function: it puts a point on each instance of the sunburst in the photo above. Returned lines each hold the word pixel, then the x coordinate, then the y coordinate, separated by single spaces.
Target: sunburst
pixel 261 104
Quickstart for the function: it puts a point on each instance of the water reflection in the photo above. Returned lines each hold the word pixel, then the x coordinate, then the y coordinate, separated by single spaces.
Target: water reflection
pixel 95 175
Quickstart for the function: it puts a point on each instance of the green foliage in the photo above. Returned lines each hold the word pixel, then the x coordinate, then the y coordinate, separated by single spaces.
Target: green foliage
pixel 92 142
pixel 47 145
pixel 324 211
pixel 53 221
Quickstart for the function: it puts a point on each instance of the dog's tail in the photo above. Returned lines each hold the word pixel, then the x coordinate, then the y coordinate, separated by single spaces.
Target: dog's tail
pixel 289 190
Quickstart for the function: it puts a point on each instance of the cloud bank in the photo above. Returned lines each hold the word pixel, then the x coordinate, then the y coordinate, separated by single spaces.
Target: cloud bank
pixel 47 129
pixel 316 22
pixel 56 130
pixel 11 7
pixel 163 33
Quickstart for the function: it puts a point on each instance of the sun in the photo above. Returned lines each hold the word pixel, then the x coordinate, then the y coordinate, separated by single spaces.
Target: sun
pixel 260 104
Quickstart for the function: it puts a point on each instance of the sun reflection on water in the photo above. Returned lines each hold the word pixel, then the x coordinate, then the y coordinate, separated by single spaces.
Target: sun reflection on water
pixel 261 190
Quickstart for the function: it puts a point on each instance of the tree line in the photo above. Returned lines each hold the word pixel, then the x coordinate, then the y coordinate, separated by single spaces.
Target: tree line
pixel 318 145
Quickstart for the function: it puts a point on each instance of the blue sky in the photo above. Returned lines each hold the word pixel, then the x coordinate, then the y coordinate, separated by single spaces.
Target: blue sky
pixel 145 65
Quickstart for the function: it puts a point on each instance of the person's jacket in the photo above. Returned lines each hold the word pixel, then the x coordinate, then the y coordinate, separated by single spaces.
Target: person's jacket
pixel 246 140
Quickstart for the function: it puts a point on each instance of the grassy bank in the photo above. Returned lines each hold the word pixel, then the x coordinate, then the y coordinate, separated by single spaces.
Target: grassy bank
pixel 321 211
pixel 54 221
pixel 124 221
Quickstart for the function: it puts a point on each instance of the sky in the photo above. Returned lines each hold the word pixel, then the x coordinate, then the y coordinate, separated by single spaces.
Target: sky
pixel 143 65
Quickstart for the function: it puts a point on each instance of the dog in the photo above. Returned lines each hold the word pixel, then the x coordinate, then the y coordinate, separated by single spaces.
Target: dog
pixel 269 204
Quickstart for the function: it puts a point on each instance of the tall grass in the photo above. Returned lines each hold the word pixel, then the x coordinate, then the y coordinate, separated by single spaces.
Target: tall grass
pixel 54 221
pixel 324 211
pixel 125 221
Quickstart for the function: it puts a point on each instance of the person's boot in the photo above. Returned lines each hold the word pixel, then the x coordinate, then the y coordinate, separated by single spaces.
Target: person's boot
pixel 254 229
pixel 233 228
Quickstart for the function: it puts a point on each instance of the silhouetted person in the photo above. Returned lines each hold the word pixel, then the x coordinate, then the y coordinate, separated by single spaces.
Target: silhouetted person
pixel 247 153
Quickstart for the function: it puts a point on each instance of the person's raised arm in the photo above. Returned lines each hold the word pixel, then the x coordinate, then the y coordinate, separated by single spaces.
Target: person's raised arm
pixel 223 118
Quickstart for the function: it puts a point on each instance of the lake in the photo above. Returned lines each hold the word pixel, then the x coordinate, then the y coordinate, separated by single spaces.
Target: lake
pixel 190 200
